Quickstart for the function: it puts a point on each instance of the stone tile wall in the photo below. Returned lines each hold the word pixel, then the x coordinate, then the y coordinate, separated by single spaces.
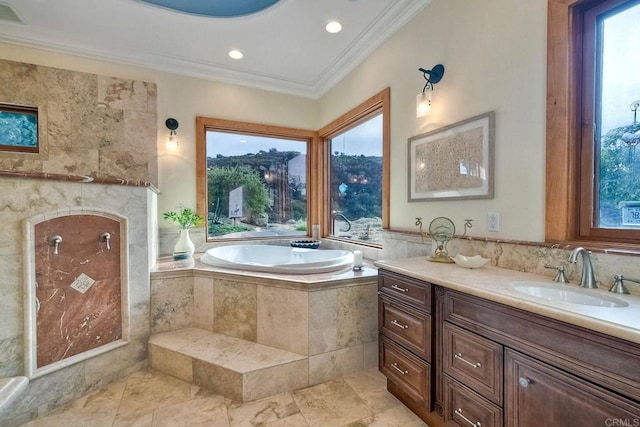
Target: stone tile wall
pixel 89 124
pixel 336 327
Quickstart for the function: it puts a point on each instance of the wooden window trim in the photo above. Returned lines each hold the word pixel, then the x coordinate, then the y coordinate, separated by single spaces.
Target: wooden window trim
pixel 564 189
pixel 378 103
pixel 231 126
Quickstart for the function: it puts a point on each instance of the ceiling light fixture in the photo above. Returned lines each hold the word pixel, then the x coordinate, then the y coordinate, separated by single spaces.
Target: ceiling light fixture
pixel 424 98
pixel 333 27
pixel 235 54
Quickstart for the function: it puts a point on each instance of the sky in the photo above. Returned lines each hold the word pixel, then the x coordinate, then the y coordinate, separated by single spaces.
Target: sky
pixel 364 139
pixel 621 63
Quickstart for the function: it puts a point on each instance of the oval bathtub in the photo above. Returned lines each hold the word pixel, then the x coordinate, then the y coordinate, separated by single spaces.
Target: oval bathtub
pixel 277 259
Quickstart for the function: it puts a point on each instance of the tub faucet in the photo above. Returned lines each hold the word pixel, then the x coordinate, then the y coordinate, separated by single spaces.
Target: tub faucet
pixel 337 214
pixel 588 279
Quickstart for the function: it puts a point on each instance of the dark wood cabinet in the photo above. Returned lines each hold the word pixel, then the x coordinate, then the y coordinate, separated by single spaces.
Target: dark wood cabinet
pixel 481 363
pixel 406 339
pixel 537 394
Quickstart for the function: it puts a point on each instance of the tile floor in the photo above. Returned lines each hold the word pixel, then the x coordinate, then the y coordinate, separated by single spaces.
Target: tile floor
pixel 152 399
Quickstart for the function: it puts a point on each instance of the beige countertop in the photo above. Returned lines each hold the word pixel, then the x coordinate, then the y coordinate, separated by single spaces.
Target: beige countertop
pixel 493 283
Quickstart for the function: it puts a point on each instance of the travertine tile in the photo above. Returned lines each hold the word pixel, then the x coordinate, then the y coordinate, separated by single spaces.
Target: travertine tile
pixel 335 364
pixel 263 411
pixel 296 420
pixel 357 315
pixel 235 309
pixel 323 321
pixel 260 356
pixel 176 340
pixel 203 303
pixel 99 407
pixel 331 404
pixel 283 319
pixel 277 379
pixel 371 355
pixel 170 362
pixel 148 390
pixel 171 304
pixel 218 379
pixel 371 386
pixel 398 416
pixel 216 348
pixel 208 411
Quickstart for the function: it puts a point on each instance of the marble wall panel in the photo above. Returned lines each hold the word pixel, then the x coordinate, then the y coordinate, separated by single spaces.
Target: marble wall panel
pixel 25 198
pixel 235 309
pixel 283 319
pixel 99 126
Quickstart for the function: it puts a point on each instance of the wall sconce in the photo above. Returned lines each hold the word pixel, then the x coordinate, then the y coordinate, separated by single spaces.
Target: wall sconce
pixel 172 141
pixel 423 100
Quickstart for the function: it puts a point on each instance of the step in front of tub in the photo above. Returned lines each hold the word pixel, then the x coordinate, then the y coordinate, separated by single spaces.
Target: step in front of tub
pixel 237 369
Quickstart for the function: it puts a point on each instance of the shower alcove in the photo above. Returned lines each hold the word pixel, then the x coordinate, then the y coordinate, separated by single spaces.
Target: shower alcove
pixel 76 287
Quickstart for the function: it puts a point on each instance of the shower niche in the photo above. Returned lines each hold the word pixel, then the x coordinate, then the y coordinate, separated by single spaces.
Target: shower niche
pixel 76 304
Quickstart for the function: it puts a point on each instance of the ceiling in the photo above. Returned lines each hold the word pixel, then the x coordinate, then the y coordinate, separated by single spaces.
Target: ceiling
pixel 286 48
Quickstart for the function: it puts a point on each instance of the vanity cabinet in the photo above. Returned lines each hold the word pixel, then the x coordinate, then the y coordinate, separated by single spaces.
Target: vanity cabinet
pixel 494 365
pixel 406 339
pixel 553 373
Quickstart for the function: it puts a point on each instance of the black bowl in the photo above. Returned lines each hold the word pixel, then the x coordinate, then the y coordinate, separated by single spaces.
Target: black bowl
pixel 305 243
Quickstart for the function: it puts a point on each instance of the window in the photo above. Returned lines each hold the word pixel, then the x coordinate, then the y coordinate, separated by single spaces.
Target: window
pixel 18 128
pixel 593 171
pixel 252 179
pixel 357 147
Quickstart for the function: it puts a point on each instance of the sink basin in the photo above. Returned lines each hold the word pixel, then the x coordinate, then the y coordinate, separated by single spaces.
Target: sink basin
pixel 552 292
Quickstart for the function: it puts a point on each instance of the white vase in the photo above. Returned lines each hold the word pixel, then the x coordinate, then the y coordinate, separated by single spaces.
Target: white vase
pixel 184 246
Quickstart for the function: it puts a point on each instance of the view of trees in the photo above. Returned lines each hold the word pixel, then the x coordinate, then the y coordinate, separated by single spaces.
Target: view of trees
pixel 619 172
pixel 269 189
pixel 362 176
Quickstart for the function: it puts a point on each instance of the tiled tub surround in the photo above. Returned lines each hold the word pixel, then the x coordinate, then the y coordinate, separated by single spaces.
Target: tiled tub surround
pixel 24 198
pixel 250 335
pixel 75 292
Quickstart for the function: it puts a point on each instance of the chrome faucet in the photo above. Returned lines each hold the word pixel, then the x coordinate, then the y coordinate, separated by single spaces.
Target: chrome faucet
pixel 588 279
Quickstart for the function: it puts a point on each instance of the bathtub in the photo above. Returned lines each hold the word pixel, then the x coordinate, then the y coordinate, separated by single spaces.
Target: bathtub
pixel 277 259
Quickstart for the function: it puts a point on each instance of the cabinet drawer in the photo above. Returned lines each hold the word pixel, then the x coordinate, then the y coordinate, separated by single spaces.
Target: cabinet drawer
pixel 412 374
pixel 467 408
pixel 474 361
pixel 407 326
pixel 408 290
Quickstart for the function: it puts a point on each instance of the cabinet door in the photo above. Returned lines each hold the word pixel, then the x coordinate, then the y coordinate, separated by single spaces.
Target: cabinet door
pixel 537 395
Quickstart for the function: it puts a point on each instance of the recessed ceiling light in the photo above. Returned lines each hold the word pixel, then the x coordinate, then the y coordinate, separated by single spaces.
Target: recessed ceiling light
pixel 333 27
pixel 235 54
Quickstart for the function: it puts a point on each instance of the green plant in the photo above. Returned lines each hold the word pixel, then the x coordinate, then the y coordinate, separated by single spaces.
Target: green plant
pixel 221 180
pixel 185 217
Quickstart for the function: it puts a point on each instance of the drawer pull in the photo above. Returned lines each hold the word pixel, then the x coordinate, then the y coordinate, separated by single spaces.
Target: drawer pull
pixel 394 365
pixel 458 412
pixel 398 288
pixel 473 365
pixel 524 382
pixel 399 325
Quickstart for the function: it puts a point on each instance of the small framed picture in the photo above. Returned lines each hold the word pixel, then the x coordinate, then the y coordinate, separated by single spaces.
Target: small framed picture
pixel 19 128
pixel 453 162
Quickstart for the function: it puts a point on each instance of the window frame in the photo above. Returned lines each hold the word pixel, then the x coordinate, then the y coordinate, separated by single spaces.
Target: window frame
pixel 204 124
pixel 379 103
pixel 570 166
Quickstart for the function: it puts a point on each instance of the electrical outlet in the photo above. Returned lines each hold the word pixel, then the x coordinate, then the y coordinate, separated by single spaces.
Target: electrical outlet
pixel 493 221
